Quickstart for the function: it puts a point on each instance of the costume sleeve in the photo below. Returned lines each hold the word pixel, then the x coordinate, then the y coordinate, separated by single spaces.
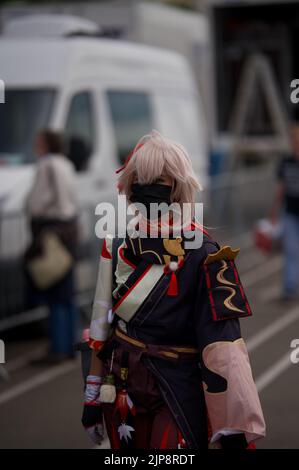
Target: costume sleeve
pixel 232 400
pixel 99 327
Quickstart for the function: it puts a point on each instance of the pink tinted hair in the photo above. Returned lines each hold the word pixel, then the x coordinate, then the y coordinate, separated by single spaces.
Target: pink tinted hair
pixel 154 156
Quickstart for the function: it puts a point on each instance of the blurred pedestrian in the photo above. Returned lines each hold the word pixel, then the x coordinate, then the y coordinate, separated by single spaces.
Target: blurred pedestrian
pixel 52 208
pixel 286 201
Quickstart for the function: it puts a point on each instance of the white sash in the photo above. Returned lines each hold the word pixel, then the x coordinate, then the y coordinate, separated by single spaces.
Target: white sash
pixel 128 305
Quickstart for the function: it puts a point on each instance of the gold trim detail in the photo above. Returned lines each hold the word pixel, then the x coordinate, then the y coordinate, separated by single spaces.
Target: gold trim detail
pixel 124 373
pixel 174 247
pixel 225 252
pixel 220 275
pixel 169 354
pixel 149 251
pixel 132 245
pixel 186 350
pixel 228 301
pixel 174 353
pixel 133 341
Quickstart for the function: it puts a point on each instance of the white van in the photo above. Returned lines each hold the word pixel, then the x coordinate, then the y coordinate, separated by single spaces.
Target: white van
pixel 103 94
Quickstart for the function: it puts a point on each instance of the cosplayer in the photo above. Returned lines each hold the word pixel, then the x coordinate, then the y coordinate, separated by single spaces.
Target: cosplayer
pixel 169 366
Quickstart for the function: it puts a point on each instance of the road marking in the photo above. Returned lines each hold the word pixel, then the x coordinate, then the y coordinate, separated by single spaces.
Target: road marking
pixel 23 318
pixel 23 360
pixel 274 371
pixel 253 260
pixel 262 272
pixel 266 333
pixel 37 381
pixel 272 292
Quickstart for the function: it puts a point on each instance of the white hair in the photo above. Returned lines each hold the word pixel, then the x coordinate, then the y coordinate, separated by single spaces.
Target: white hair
pixel 154 156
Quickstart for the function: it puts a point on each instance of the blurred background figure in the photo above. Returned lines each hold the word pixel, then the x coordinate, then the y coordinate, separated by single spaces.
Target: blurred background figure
pixel 52 207
pixel 286 200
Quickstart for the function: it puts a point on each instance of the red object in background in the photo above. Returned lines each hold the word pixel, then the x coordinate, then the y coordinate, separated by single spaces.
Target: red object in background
pixel 85 335
pixel 268 235
pixel 262 241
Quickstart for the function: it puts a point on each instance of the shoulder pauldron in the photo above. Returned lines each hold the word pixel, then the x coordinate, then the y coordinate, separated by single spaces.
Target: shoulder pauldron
pixel 226 295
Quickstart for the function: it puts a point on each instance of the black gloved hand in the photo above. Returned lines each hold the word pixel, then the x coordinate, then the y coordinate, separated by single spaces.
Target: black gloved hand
pixel 234 441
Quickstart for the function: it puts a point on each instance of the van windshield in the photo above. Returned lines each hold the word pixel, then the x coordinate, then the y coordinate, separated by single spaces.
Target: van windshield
pixel 21 116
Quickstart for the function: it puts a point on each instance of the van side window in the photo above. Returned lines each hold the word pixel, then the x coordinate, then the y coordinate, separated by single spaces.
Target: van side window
pixel 79 130
pixel 132 118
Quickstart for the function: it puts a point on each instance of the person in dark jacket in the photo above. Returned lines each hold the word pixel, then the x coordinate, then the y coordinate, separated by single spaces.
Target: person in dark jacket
pixel 52 206
pixel 286 202
pixel 169 367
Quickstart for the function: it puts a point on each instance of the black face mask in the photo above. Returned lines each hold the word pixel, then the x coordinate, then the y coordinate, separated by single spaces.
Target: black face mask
pixel 151 193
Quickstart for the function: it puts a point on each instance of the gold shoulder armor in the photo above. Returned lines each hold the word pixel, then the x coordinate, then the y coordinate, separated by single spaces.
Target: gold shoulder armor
pixel 225 252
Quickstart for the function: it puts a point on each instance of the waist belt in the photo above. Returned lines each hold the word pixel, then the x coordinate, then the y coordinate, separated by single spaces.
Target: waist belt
pixel 164 351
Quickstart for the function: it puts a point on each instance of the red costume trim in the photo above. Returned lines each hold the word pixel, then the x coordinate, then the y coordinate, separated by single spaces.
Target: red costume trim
pixel 164 440
pixel 251 446
pixel 105 253
pixel 129 263
pixel 95 344
pixel 208 280
pixel 200 227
